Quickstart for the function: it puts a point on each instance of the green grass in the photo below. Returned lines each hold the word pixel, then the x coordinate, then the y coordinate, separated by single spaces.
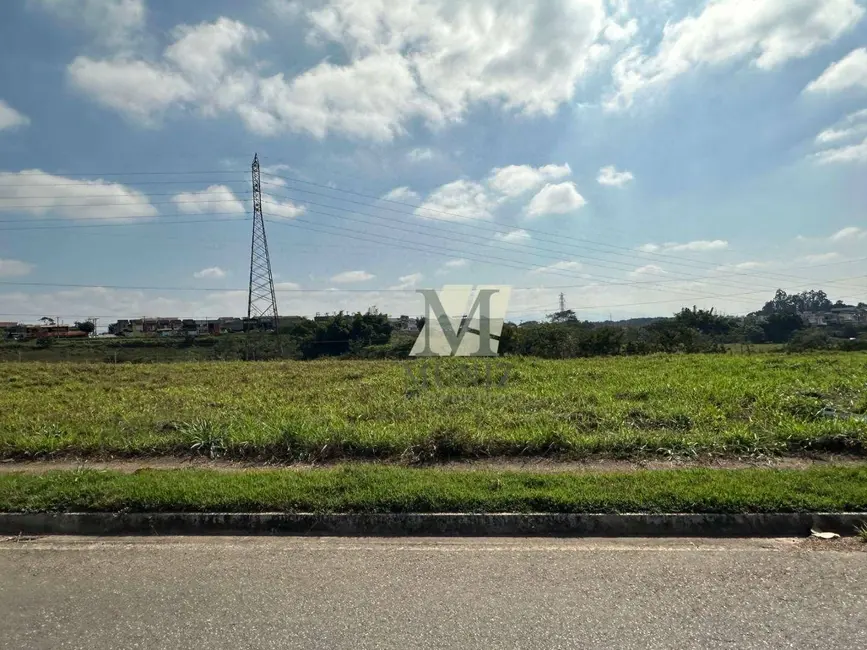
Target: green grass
pixel 726 405
pixel 395 489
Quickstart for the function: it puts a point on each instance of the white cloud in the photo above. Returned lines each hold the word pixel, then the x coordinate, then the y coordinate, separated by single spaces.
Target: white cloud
pixel 216 198
pixel 212 272
pixel 847 154
pixel 285 9
pixel 200 68
pixel 427 60
pixel 559 198
pixel 408 281
pixel 820 257
pixel 745 266
pixel 352 276
pixel 286 286
pixel 649 269
pixel 848 234
pixel 767 33
pixel 617 33
pixel 559 267
pixel 451 265
pixel 848 72
pixel 420 154
pixel 610 176
pixel 114 22
pixel 457 201
pixel 513 236
pixel 852 125
pixel 14 268
pixel 10 118
pixel 701 245
pixel 402 195
pixel 514 180
pixel 39 193
pixel 273 207
pixel 137 90
pixel 526 56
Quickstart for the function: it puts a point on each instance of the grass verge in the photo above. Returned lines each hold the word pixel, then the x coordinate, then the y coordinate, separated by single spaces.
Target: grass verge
pixel 394 489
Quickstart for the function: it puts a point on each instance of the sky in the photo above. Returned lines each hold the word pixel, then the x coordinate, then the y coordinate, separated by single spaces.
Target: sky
pixel 636 155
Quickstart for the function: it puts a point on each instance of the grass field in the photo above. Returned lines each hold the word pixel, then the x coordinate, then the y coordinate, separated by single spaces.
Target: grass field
pixel 395 489
pixel 726 405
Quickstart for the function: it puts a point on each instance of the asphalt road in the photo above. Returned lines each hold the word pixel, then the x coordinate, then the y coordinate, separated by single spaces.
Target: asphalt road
pixel 428 593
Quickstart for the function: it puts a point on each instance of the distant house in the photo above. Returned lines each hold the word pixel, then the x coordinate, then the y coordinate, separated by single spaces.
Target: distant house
pixel 404 324
pixel 836 316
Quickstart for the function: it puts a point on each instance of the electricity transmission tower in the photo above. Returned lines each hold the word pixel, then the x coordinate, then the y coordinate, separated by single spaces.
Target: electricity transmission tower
pixel 262 301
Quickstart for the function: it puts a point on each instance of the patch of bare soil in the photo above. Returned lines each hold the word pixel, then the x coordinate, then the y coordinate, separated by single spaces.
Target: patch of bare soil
pixel 491 464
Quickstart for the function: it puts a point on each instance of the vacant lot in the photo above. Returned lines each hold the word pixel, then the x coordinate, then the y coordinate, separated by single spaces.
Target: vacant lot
pixel 722 405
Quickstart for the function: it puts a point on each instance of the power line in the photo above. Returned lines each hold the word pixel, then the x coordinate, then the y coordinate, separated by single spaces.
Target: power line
pixel 135 222
pixel 124 204
pixel 623 266
pixel 451 254
pixel 677 260
pixel 101 196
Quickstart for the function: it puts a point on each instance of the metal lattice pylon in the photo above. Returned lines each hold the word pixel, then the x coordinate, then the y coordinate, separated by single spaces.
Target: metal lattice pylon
pixel 262 301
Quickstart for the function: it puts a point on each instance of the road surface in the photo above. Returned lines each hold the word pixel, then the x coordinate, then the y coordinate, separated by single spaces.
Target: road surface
pixel 255 592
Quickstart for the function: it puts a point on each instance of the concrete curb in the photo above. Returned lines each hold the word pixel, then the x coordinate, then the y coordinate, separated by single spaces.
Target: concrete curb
pixel 432 524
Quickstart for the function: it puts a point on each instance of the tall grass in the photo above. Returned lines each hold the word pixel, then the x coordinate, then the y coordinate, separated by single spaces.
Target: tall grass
pixel 660 405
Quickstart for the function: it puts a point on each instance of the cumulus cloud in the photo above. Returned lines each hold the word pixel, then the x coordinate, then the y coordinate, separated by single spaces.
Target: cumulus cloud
pixel 559 198
pixel 201 68
pixel 14 268
pixel 216 198
pixel 514 180
pixel 649 269
pixel 419 154
pixel 852 125
pixel 113 22
pixel 408 281
pixel 766 33
pixel 39 193
pixel 212 272
pixel 10 118
pixel 427 60
pixel 558 267
pixel 848 234
pixel 352 276
pixel 273 207
pixel 402 195
pixel 610 176
pixel 702 245
pixel 452 265
pixel 458 200
pixel 848 72
pixel 853 153
pixel 513 236
pixel 820 257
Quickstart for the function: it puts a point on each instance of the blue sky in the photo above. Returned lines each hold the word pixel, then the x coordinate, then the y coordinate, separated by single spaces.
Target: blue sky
pixel 636 155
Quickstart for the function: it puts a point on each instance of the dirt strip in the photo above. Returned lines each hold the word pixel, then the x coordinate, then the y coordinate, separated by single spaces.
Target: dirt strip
pixel 492 464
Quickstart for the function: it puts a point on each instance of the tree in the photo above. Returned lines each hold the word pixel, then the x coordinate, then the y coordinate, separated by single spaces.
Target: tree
pixel 565 316
pixel 779 327
pixel 85 326
pixel 47 320
pixel 705 321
